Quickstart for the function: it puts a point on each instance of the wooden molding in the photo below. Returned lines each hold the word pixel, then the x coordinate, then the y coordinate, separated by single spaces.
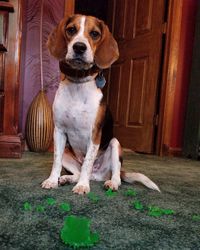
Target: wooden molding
pixel 10 146
pixel 169 151
pixel 176 152
pixel 12 68
pixel 5 6
pixel 10 141
pixel 169 76
pixel 69 7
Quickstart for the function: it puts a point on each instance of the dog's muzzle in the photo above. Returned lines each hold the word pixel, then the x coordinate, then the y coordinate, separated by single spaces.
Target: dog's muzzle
pixel 79 48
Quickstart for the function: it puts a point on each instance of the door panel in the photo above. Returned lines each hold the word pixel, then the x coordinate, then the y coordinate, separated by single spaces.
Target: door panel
pixel 136 91
pixel 143 16
pixel 134 79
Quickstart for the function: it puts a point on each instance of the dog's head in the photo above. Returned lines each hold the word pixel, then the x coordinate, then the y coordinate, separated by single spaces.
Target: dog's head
pixel 83 41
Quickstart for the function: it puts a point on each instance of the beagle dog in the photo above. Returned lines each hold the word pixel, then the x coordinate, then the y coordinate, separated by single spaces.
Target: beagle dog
pixel 83 139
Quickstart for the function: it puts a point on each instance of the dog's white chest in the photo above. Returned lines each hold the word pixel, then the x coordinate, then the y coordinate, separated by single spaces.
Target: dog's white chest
pixel 75 108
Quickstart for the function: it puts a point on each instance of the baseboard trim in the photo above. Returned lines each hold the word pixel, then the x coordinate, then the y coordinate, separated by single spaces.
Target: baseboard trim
pixel 177 152
pixel 171 151
pixel 10 146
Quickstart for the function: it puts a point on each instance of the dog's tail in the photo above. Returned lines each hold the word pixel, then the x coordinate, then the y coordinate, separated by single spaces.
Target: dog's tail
pixel 137 177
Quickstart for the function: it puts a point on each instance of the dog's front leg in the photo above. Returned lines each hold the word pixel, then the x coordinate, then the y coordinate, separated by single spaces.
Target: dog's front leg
pixel 59 146
pixel 83 185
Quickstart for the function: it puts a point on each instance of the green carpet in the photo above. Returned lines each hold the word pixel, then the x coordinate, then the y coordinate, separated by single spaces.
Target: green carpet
pixel 119 225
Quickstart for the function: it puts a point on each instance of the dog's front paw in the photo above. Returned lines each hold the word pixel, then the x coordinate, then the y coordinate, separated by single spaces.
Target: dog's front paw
pixel 68 179
pixel 81 189
pixel 49 183
pixel 112 184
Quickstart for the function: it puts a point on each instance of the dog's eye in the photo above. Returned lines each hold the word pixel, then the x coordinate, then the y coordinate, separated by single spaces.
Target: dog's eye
pixel 94 34
pixel 71 30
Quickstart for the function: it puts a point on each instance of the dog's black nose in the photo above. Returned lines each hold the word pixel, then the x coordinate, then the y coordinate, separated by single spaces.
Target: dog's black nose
pixel 79 48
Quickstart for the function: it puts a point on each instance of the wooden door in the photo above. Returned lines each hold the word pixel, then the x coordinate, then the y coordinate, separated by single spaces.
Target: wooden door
pixel 134 80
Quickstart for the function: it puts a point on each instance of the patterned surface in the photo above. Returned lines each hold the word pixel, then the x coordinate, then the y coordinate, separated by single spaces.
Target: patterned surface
pixel 39 124
pixel 119 225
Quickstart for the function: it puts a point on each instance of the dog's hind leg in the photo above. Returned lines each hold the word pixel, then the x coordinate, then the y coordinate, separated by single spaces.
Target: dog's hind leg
pixel 107 167
pixel 115 165
pixel 72 165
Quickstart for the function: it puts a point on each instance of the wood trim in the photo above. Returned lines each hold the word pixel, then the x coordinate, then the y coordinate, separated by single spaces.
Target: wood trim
pixel 170 69
pixel 69 7
pixel 12 67
pixel 6 6
pixel 10 146
pixel 18 63
pixel 10 140
pixel 175 152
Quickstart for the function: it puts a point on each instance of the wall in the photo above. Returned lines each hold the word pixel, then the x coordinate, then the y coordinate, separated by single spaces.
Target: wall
pixel 53 11
pixel 183 74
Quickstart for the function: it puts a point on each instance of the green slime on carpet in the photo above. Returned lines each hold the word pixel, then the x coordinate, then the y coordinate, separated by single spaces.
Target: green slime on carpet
pixel 130 192
pixel 27 206
pixel 51 201
pixel 138 205
pixel 92 197
pixel 40 208
pixel 76 232
pixel 156 211
pixel 153 210
pixel 110 193
pixel 65 207
pixel 196 217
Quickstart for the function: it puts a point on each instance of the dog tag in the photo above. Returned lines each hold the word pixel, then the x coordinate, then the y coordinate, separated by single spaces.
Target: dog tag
pixel 100 81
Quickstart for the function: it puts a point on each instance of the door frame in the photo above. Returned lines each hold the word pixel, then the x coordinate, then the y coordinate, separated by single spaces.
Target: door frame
pixel 69 7
pixel 172 29
pixel 169 79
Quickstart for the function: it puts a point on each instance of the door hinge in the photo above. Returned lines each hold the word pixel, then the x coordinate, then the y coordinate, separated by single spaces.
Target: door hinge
pixel 164 28
pixel 156 120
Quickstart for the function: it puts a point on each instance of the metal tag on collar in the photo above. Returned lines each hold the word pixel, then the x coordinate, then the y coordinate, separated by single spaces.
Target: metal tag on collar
pixel 100 80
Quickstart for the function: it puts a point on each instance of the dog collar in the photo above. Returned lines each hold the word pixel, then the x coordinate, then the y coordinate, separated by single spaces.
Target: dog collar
pixel 75 73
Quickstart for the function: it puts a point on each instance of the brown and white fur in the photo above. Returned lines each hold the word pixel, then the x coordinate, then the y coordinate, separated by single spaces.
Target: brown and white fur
pixel 80 115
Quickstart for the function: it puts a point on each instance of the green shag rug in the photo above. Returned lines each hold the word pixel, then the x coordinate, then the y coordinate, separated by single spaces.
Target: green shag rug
pixel 118 223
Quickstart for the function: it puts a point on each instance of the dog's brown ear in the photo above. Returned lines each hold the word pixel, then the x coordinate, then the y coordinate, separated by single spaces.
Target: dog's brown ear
pixel 107 52
pixel 57 43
